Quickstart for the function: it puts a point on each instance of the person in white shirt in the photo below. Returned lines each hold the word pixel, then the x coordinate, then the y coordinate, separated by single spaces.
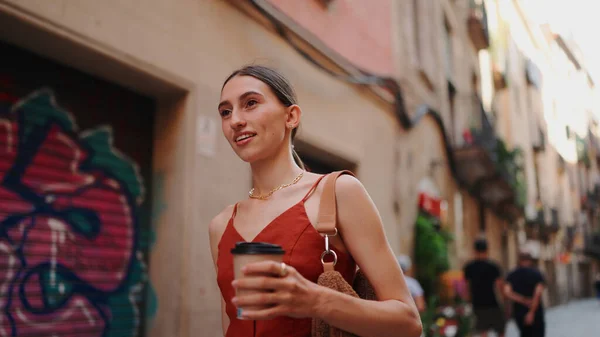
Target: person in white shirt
pixel 413 285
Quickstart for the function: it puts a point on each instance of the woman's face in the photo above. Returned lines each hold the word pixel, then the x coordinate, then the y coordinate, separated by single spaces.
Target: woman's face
pixel 252 118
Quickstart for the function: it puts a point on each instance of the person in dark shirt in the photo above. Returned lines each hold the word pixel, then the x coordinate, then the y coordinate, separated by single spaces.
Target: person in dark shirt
pixel 524 286
pixel 597 285
pixel 484 278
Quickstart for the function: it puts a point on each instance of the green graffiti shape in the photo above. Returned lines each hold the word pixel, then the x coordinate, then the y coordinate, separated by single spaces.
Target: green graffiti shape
pixel 106 157
pixel 40 109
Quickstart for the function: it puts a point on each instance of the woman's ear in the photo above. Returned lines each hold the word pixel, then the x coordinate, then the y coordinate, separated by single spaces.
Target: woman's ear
pixel 293 116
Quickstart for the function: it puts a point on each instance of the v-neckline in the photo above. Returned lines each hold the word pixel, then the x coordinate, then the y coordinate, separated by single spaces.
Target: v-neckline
pixel 268 225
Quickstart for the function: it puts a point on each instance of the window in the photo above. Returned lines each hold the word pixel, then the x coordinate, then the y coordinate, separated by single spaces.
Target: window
pixel 424 43
pixel 448 51
pixel 317 160
pixel 416 30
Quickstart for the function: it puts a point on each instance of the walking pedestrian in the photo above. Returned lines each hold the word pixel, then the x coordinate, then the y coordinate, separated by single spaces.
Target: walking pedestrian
pixel 597 286
pixel 484 278
pixel 259 118
pixel 524 286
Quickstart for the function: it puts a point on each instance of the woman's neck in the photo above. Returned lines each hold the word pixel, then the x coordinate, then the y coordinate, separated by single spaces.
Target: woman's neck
pixel 271 173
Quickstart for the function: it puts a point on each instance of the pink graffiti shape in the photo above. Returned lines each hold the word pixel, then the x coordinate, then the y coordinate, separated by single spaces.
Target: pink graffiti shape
pixel 98 257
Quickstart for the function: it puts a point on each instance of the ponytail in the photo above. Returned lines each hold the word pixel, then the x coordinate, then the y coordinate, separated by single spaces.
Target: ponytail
pixel 297 159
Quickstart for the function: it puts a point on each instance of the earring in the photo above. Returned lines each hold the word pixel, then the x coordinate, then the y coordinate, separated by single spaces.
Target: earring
pixel 289 126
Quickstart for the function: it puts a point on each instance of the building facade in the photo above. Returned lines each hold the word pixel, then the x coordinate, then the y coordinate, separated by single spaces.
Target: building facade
pixel 117 163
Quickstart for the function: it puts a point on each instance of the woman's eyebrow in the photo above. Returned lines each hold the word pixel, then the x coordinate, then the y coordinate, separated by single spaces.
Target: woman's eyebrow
pixel 226 102
pixel 249 93
pixel 242 97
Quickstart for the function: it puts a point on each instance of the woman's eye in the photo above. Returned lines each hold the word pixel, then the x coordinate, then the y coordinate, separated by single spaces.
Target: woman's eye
pixel 251 103
pixel 224 113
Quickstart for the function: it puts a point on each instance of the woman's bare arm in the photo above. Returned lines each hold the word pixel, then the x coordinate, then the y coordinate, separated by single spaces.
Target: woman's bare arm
pixel 362 231
pixel 215 230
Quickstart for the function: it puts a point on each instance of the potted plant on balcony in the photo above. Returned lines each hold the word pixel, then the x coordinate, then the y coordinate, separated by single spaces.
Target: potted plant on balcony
pixel 511 164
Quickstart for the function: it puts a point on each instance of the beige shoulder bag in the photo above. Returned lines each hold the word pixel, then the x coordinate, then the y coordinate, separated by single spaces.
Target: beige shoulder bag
pixel 326 226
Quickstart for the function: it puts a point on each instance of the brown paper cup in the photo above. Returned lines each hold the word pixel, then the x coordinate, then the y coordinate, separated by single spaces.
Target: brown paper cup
pixel 250 252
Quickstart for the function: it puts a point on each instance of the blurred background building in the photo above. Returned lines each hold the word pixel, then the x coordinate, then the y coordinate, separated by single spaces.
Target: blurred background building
pixel 463 119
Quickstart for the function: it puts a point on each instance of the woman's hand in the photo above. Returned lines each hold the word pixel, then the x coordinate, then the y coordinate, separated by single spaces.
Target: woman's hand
pixel 289 295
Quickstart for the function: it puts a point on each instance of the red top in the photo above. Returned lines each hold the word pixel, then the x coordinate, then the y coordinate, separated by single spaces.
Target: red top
pixel 303 247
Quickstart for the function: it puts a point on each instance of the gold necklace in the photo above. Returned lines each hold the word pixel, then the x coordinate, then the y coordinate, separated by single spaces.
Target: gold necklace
pixel 267 196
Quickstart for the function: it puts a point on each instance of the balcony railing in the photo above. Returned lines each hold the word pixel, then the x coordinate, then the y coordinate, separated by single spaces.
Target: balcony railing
pixel 582 151
pixel 539 142
pixel 494 171
pixel 477 24
pixel 509 163
pixel 592 245
pixel 482 128
pixel 591 198
pixel 554 219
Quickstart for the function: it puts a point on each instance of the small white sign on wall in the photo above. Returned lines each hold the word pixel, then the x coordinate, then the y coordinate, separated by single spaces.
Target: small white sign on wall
pixel 206 136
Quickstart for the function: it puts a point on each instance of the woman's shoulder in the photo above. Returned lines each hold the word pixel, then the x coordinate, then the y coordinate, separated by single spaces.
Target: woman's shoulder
pixel 353 200
pixel 218 224
pixel 348 185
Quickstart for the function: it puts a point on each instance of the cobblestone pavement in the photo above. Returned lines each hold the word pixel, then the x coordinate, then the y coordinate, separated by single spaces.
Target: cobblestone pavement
pixel 576 319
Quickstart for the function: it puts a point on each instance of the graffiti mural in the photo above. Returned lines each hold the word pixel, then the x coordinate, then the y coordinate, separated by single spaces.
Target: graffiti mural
pixel 70 257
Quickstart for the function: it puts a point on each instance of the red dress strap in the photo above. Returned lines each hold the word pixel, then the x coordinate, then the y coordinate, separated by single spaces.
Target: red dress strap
pixel 234 211
pixel 313 188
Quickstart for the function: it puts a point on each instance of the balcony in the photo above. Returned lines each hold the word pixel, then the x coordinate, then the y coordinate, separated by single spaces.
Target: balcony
pixel 595 144
pixel 592 246
pixel 499 78
pixel 488 168
pixel 477 25
pixel 591 199
pixel 542 227
pixel 561 164
pixel 539 141
pixel 583 151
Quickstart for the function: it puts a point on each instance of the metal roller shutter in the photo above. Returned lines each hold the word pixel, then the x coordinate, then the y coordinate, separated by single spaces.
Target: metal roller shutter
pixel 75 163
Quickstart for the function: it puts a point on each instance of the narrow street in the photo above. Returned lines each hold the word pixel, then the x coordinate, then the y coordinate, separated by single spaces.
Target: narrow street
pixel 576 319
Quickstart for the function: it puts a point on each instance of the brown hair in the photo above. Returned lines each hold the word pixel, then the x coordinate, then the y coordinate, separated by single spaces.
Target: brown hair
pixel 279 85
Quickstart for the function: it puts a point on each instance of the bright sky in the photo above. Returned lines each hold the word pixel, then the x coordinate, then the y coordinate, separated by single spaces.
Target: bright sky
pixel 577 17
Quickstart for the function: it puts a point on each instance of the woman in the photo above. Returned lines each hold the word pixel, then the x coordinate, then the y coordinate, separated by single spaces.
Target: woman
pixel 260 117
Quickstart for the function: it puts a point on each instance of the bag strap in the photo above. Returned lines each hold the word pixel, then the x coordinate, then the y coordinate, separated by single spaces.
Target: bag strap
pixel 327 218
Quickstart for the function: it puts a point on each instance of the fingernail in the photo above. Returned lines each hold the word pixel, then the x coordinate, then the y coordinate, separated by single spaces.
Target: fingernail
pixel 239 313
pixel 234 300
pixel 234 283
pixel 244 269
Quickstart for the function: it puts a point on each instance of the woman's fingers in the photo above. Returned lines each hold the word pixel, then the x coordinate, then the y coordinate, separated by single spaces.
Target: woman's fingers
pixel 262 283
pixel 268 313
pixel 262 299
pixel 268 267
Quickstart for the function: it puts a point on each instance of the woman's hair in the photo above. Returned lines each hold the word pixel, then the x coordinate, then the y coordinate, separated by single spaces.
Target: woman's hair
pixel 279 85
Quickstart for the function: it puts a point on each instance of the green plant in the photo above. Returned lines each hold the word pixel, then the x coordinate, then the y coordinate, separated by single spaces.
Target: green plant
pixel 511 164
pixel 431 252
pixel 582 152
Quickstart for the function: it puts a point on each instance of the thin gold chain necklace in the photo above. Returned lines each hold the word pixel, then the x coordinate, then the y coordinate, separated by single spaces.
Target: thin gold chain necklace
pixel 268 195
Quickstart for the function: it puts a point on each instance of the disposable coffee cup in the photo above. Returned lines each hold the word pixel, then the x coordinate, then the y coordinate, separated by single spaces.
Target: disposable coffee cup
pixel 251 252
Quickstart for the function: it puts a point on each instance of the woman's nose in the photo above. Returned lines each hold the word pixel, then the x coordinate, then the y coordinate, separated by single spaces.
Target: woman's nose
pixel 236 121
